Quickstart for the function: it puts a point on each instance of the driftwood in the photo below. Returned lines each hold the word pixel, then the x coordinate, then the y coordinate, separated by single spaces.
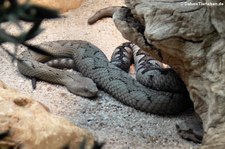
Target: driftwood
pixel 189 36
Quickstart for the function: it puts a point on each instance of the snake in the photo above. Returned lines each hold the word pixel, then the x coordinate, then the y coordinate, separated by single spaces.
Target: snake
pixel 191 129
pixel 156 90
pixel 103 13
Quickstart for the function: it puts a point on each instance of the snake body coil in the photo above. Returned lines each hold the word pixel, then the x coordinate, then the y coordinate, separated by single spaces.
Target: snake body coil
pixel 92 63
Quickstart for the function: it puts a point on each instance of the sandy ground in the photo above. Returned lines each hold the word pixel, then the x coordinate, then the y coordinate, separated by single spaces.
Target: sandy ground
pixel 120 126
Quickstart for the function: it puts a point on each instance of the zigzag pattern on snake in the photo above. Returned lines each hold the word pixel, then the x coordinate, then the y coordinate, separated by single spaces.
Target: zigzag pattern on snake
pixel 92 63
pixel 189 130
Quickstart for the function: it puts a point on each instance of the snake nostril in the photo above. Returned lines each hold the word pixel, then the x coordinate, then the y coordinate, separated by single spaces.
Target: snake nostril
pixel 21 102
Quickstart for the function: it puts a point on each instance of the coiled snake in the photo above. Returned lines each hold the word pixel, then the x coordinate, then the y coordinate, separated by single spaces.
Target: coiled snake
pixel 163 93
pixel 191 129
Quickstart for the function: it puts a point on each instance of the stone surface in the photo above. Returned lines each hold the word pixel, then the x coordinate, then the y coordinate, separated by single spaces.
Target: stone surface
pixel 61 5
pixel 190 38
pixel 28 124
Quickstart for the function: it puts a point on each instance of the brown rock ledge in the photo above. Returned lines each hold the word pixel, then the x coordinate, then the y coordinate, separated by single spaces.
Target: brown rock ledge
pixel 27 123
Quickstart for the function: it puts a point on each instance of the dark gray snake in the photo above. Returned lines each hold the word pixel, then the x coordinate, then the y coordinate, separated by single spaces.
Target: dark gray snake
pixel 163 93
pixel 191 129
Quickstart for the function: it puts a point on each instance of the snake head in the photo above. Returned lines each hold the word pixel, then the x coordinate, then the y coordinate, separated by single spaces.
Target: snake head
pixel 82 86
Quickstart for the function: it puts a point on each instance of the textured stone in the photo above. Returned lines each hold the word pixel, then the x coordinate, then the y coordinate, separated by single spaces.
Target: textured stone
pixel 27 123
pixel 190 38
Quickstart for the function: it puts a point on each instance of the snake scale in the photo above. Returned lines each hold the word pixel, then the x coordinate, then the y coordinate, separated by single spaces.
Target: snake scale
pixel 92 63
pixel 191 129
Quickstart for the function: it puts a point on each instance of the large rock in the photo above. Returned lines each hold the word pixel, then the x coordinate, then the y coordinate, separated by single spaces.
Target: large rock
pixel 28 124
pixel 61 5
pixel 190 37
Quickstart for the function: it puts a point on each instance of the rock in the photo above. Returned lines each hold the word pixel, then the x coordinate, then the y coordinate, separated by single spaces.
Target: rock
pixel 61 5
pixel 189 37
pixel 27 123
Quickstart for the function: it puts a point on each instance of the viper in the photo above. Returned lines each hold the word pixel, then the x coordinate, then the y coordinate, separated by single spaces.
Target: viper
pixel 157 89
pixel 191 129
